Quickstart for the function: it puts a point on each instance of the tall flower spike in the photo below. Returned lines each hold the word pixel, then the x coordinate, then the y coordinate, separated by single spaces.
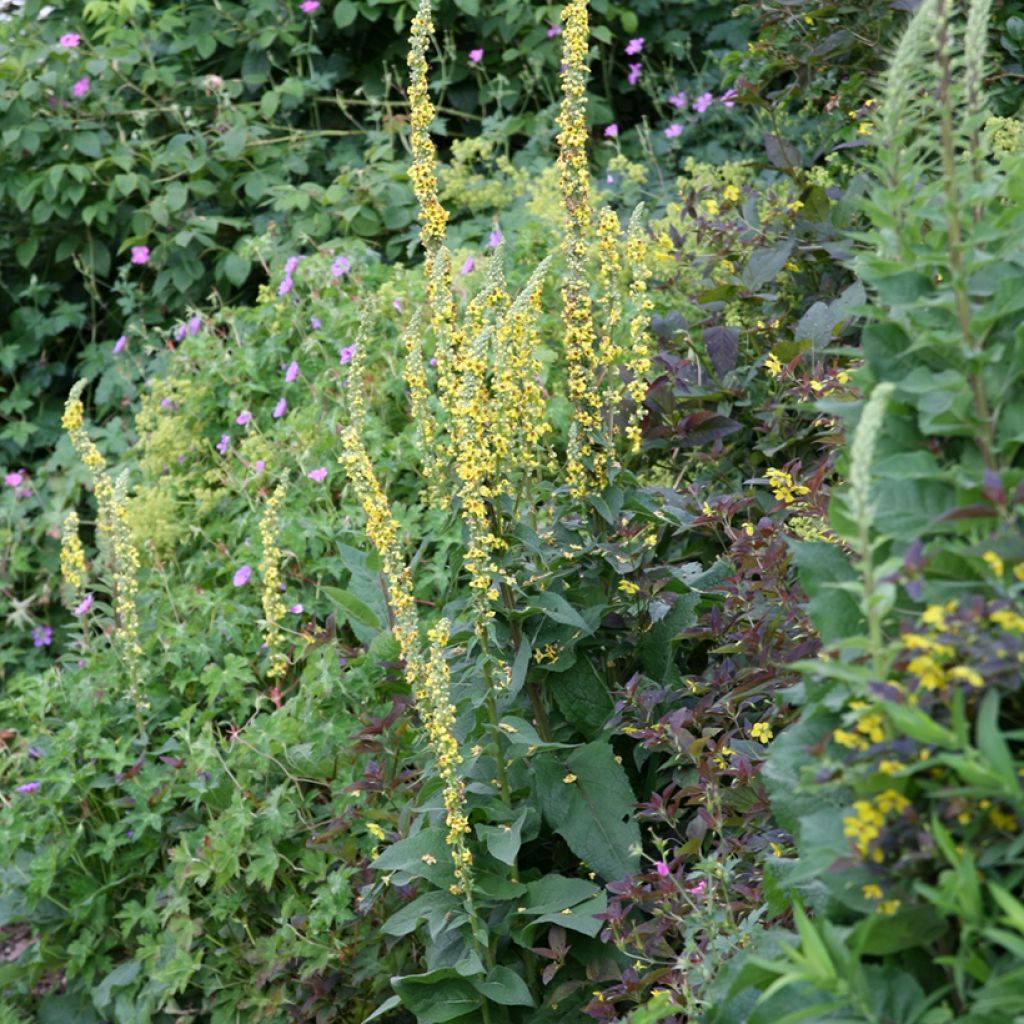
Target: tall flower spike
pixel 577 311
pixel 641 347
pixel 73 422
pixel 126 590
pixel 270 569
pixel 72 561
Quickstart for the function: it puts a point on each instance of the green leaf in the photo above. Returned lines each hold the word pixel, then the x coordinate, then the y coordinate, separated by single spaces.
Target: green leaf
pixel 345 12
pixel 504 986
pixel 407 856
pixel 556 608
pixel 656 649
pixel 121 976
pixel 87 143
pixel 918 725
pixel 437 996
pixel 835 613
pixel 503 841
pixel 582 696
pixel 354 609
pixel 236 268
pixel 593 811
pixel 439 910
pixel 764 264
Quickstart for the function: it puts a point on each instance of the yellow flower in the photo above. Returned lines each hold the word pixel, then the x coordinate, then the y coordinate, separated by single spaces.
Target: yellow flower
pixel 889 907
pixel 783 487
pixel 711 205
pixel 569 779
pixel 773 365
pixel 731 193
pixel 628 587
pixel 872 891
pixel 375 830
pixel 967 675
pixel 428 858
pixel 995 563
pixel 761 731
pixel 890 767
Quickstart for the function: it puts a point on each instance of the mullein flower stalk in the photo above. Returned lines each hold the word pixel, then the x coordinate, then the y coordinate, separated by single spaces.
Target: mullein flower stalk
pixel 270 569
pixel 639 359
pixel 577 311
pixel 73 567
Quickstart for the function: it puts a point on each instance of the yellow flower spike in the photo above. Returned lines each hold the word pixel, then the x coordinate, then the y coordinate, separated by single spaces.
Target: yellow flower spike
pixel 72 559
pixel 273 604
pixel 640 358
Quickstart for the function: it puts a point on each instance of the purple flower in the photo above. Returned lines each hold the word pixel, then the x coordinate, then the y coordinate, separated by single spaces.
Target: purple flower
pixel 697 889
pixel 120 344
pixel 140 254
pixel 179 332
pixel 475 56
pixel 310 6
pixel 290 264
pixel 634 46
pixel 678 100
pixel 494 239
pixel 635 71
pixel 296 609
pixel 728 97
pixel 610 179
pixel 281 408
pixel 242 575
pixel 42 636
pixel 342 265
pixel 243 417
pixel 224 443
pixel 81 87
pixel 314 322
pixel 259 466
pixel 70 40
pixel 673 131
pixel 612 131
pixel 292 372
pixel 662 868
pixel 397 303
pixel 554 30
pixel 84 606
pixel 195 324
pixel 319 474
pixel 285 286
pixel 347 353
pixel 468 267
pixel 166 403
pixel 15 479
pixel 28 787
pixel 702 102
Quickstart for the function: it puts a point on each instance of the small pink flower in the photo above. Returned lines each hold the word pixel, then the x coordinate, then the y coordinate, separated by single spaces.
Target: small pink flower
pixel 612 131
pixel 242 575
pixel 678 100
pixel 84 606
pixel 296 609
pixel 195 325
pixel 70 40
pixel 80 88
pixel 224 443
pixel 285 286
pixel 554 30
pixel 15 479
pixel 662 868
pixel 673 131
pixel 309 6
pixel 243 417
pixel 397 303
pixel 281 408
pixel 290 264
pixel 28 787
pixel 180 331
pixel 315 323
pixel 698 888
pixel 702 102
pixel 119 345
pixel 347 353
pixel 475 56
pixel 140 254
pixel 634 46
pixel 259 465
pixel 292 372
pixel 468 267
pixel 728 97
pixel 635 71
pixel 319 474
pixel 494 239
pixel 342 265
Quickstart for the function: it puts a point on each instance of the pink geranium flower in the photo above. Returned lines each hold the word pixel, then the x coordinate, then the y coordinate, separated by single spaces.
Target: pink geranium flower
pixel 673 130
pixel 702 102
pixel 342 265
pixel 84 606
pixel 494 239
pixel 554 30
pixel 678 100
pixel 119 345
pixel 15 479
pixel 292 372
pixel 80 88
pixel 468 266
pixel 347 353
pixel 612 131
pixel 475 56
pixel 635 71
pixel 319 474
pixel 634 46
pixel 242 575
pixel 662 868
pixel 281 408
pixel 728 97
pixel 140 254
pixel 243 417
pixel 70 40
pixel 309 6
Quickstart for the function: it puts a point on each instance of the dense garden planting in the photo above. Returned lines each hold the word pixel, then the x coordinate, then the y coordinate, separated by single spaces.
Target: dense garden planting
pixel 512 512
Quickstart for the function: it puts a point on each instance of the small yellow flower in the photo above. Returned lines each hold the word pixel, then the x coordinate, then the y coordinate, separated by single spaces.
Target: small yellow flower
pixel 731 193
pixel 428 858
pixel 748 529
pixel 628 587
pixel 995 563
pixel 711 205
pixel 761 731
pixel 375 830
pixel 967 675
pixel 890 767
pixel 569 779
pixel 889 907
pixel 872 891
pixel 864 128
pixel 776 849
pixel 773 365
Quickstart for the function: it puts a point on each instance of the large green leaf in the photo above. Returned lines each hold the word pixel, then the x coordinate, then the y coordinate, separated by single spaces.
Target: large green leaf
pixel 437 996
pixel 582 696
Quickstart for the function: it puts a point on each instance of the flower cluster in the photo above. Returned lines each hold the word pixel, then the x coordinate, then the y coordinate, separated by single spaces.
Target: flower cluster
pixel 72 560
pixel 270 569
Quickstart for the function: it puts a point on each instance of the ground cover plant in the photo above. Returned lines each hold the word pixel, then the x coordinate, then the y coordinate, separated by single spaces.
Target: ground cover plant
pixel 615 614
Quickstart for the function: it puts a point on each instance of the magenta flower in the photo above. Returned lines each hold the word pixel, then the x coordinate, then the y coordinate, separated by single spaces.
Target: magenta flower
pixel 309 6
pixel 242 575
pixel 80 88
pixel 494 239
pixel 140 254
pixel 195 325
pixel 673 131
pixel 397 303
pixel 119 345
pixel 180 331
pixel 319 474
pixel 290 264
pixel 662 868
pixel 698 888
pixel 554 30
pixel 292 372
pixel 224 443
pixel 468 266
pixel 342 265
pixel 42 636
pixel 243 417
pixel 285 286
pixel 612 131
pixel 678 100
pixel 296 609
pixel 259 466
pixel 314 322
pixel 635 71
pixel 280 409
pixel 84 606
pixel 70 40
pixel 728 97
pixel 15 479
pixel 634 46
pixel 28 787
pixel 702 102
pixel 347 353
pixel 475 56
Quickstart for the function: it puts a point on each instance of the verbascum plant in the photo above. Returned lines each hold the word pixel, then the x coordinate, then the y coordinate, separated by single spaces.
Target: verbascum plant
pixel 577 309
pixel 73 568
pixel 270 569
pixel 73 422
pixel 640 356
